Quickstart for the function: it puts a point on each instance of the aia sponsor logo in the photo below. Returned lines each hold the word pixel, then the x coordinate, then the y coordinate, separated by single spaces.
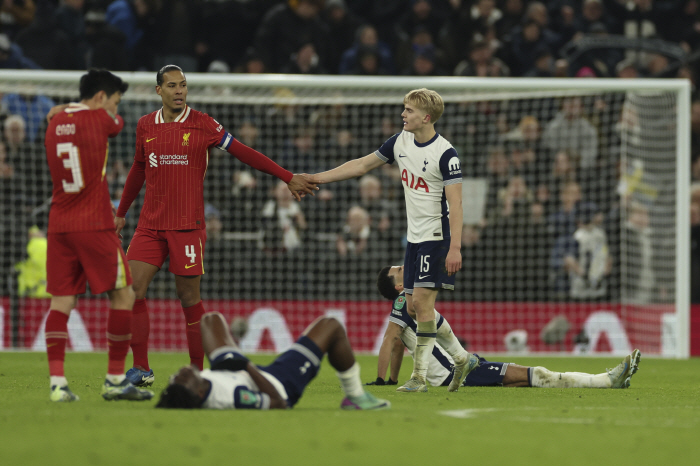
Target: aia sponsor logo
pixel 414 182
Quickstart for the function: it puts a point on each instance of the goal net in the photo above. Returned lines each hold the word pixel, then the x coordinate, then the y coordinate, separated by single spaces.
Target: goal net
pixel 575 200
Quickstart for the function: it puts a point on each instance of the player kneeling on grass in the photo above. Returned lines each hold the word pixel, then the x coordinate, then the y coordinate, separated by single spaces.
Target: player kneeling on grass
pixel 401 331
pixel 233 382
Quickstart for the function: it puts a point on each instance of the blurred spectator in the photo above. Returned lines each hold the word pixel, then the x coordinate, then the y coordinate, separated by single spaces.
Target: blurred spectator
pixel 537 11
pixel 570 131
pixel 299 154
pixel 32 108
pixel 367 39
pixel 33 185
pixel 354 237
pixel 45 43
pixel 515 200
pixel 626 69
pixel 563 222
pixel 526 42
pixel 380 209
pixel 31 278
pixel 71 20
pixel 581 262
pixel 563 171
pixel 695 127
pixel 592 12
pixel 639 259
pixel 177 35
pixel 423 45
pixel 134 18
pixel 544 64
pixel 419 16
pixel 304 61
pixel 465 20
pixel 6 170
pixel 106 44
pixel 425 63
pixel 343 25
pixel 383 15
pixel 15 15
pixel 252 63
pixel 286 28
pixel 481 63
pixel 368 63
pixel 283 221
pixel 497 175
pixel 512 14
pixel 12 57
pixel 694 253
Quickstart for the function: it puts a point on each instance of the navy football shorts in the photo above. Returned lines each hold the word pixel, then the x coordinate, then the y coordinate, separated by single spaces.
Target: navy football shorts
pixel 424 266
pixel 488 374
pixel 296 367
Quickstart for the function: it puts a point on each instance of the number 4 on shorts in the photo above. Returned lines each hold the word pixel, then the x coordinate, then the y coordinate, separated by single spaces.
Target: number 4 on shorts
pixel 189 252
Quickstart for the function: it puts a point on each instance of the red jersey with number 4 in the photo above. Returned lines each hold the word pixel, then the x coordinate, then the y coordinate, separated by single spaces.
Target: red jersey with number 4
pixel 76 149
pixel 176 156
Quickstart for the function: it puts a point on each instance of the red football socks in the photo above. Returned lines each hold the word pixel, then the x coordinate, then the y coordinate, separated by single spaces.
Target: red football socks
pixel 118 339
pixel 193 316
pixel 140 329
pixel 56 331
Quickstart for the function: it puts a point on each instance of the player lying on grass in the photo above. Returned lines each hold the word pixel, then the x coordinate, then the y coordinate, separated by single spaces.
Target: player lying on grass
pixel 233 382
pixel 401 331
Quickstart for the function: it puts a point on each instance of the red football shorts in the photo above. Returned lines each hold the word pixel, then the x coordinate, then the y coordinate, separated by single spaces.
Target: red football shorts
pixel 75 258
pixel 185 248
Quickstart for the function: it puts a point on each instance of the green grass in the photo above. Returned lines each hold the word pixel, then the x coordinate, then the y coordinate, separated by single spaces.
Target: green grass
pixel 655 422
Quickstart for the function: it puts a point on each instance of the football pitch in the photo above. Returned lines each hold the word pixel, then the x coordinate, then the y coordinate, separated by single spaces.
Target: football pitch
pixel 654 422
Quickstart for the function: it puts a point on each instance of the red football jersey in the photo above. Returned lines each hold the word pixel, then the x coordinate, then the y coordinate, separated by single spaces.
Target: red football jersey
pixel 76 149
pixel 176 157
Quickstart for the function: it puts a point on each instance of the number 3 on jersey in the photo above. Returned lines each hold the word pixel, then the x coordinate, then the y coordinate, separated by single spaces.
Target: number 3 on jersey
pixel 72 163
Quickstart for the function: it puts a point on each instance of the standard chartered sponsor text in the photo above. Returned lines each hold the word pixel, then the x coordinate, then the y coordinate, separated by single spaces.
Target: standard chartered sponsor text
pixel 177 159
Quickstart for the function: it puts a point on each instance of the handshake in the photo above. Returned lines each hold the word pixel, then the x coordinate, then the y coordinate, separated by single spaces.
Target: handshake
pixel 381 381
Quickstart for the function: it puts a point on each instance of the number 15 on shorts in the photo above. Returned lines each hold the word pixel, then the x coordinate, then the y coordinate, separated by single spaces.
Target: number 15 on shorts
pixel 424 263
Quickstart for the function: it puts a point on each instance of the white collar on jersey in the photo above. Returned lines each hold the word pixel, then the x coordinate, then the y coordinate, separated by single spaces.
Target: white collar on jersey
pixel 180 118
pixel 76 107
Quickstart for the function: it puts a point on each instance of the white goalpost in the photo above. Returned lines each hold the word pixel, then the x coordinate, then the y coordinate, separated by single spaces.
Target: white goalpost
pixel 576 208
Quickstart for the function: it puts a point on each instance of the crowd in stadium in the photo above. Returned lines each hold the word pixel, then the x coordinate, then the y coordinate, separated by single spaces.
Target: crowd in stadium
pixel 548 169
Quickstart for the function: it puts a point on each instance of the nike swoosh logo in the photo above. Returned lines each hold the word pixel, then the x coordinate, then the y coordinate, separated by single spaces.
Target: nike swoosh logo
pixel 193 323
pixel 421 277
pixel 402 156
pixel 190 266
pixel 149 140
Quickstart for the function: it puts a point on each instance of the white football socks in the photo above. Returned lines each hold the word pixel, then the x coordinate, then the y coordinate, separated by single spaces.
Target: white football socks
pixel 425 342
pixel 544 378
pixel 116 379
pixel 449 342
pixel 350 381
pixel 58 380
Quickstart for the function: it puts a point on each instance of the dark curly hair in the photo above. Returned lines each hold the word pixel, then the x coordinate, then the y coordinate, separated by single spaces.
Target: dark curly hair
pixel 176 396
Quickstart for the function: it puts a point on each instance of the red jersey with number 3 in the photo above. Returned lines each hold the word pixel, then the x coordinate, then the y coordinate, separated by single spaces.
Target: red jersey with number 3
pixel 76 150
pixel 176 156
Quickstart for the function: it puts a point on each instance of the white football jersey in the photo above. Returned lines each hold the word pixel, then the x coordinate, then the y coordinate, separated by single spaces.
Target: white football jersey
pixel 426 168
pixel 236 390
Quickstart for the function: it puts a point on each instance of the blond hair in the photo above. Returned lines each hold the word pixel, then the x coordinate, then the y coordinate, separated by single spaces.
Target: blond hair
pixel 428 101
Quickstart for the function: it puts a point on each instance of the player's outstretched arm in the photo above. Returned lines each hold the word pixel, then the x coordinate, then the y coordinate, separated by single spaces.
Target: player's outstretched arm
pixel 351 169
pixel 386 354
pixel 300 185
pixel 453 195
